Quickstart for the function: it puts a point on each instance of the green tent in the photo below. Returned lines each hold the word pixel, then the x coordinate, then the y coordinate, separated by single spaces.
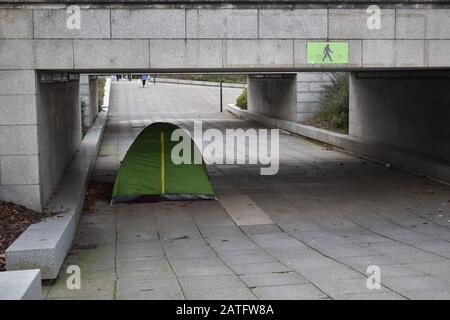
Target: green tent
pixel 148 174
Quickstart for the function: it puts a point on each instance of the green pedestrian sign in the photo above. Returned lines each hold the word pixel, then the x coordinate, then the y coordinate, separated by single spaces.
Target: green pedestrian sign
pixel 327 52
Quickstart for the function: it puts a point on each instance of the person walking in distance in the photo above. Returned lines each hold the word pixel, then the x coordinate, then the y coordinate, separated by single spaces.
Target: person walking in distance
pixel 143 79
pixel 326 52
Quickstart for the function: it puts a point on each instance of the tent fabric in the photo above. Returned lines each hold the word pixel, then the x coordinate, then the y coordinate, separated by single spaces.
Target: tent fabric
pixel 148 174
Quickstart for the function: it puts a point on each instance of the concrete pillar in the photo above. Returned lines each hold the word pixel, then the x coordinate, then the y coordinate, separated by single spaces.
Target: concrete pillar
pixel 40 130
pixel 19 147
pixel 310 88
pixel 59 131
pixel 274 95
pixel 88 99
pixel 404 110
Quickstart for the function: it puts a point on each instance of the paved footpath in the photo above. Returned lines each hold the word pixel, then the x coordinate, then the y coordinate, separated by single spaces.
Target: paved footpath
pixel 309 232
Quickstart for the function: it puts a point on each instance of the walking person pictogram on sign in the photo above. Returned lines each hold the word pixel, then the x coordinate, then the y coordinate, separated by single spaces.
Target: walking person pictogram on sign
pixel 326 52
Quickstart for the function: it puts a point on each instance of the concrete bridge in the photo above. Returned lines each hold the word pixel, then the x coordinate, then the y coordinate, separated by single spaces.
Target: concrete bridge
pixel 219 35
pixel 399 83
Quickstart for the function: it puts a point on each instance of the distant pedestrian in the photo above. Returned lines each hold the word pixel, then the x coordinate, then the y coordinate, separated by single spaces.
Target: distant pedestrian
pixel 143 79
pixel 154 78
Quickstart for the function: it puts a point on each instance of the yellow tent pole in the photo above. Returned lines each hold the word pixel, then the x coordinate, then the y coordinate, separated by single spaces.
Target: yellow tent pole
pixel 162 164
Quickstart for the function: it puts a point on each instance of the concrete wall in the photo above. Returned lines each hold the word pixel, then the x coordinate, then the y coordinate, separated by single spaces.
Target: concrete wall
pixel 273 95
pixel 403 111
pixel 88 99
pixel 217 37
pixel 40 129
pixel 19 165
pixel 310 89
pixel 59 130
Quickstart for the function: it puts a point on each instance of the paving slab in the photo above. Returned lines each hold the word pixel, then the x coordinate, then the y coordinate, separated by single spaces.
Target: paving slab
pixel 272 279
pixel 150 289
pixel 244 211
pixel 261 267
pixel 419 283
pixel 220 294
pixel 338 287
pixel 289 292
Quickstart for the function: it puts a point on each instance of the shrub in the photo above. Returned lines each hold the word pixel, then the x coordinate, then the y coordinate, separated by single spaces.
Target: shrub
pixel 336 100
pixel 241 101
pixel 335 105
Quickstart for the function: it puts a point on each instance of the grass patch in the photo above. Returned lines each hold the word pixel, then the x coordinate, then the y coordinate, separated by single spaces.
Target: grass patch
pixel 335 105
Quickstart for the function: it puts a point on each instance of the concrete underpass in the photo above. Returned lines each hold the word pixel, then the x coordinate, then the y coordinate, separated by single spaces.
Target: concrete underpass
pixel 340 203
pixel 310 231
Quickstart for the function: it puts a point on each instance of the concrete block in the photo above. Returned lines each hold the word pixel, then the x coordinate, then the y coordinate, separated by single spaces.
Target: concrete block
pixel 309 107
pixel 21 285
pixel 114 54
pixel 16 54
pixel 300 58
pixel 222 23
pixel 17 82
pixel 148 23
pixel 398 53
pixel 42 247
pixel 309 76
pixel 52 23
pixel 17 170
pixel 297 23
pixel 16 23
pixel 316 86
pixel 423 24
pixel 327 76
pixel 308 96
pixel 438 53
pixel 352 24
pixel 53 54
pixel 17 109
pixel 258 53
pixel 18 140
pixel 302 86
pixel 26 195
pixel 40 54
pixel 185 54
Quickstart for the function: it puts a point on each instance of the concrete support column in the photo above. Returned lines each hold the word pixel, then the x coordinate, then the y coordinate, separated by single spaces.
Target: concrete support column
pixel 404 110
pixel 274 95
pixel 40 131
pixel 19 146
pixel 310 88
pixel 88 99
